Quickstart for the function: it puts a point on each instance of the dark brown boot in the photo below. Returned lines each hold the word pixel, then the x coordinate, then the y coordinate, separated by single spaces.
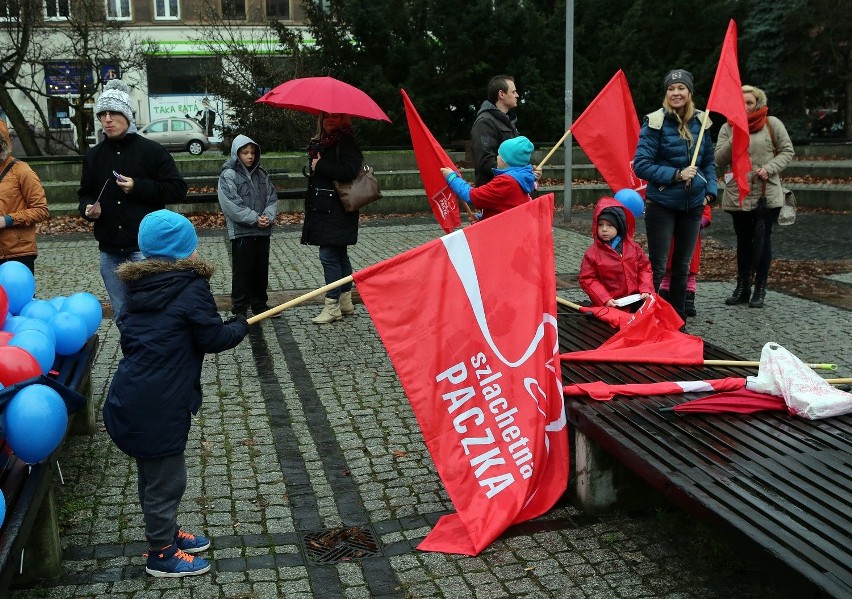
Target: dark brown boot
pixel 741 292
pixel 756 300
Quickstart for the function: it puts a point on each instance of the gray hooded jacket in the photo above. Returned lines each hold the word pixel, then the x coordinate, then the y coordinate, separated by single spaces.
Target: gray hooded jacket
pixel 246 193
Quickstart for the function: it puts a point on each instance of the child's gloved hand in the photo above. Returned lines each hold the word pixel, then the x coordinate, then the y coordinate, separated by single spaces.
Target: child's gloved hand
pixel 237 318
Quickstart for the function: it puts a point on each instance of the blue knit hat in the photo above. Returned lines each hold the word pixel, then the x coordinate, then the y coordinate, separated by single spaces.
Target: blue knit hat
pixel 516 151
pixel 167 234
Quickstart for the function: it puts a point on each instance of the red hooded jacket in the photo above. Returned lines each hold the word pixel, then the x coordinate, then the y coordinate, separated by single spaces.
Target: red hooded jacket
pixel 604 273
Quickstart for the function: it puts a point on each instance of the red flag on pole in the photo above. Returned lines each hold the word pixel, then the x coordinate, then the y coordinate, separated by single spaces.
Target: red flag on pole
pixel 480 367
pixel 651 337
pixel 604 391
pixel 608 132
pixel 430 158
pixel 726 97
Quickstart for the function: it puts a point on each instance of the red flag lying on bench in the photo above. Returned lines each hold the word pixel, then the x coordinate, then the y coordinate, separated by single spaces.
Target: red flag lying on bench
pixel 604 391
pixel 651 337
pixel 480 367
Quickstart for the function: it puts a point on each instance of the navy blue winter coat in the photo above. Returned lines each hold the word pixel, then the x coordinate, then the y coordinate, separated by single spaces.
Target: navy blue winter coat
pixel 661 153
pixel 170 322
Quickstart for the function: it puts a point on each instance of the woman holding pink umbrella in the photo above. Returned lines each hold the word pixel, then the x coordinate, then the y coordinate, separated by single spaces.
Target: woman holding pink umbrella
pixel 334 155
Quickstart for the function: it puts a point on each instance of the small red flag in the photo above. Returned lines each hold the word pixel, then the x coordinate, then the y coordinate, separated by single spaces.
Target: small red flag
pixel 726 97
pixel 608 132
pixel 651 337
pixel 604 391
pixel 480 367
pixel 430 158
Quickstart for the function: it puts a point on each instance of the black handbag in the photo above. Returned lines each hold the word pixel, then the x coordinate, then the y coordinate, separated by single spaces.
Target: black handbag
pixel 362 190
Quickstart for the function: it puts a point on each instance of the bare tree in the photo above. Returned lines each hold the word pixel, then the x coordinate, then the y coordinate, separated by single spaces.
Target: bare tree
pixel 85 41
pixel 250 69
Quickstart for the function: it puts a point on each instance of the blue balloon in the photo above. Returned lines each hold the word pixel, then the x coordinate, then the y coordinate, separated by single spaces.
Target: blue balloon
pixel 38 345
pixel 36 419
pixel 631 200
pixel 70 331
pixel 2 508
pixel 40 309
pixel 34 324
pixel 13 322
pixel 19 283
pixel 57 301
pixel 86 306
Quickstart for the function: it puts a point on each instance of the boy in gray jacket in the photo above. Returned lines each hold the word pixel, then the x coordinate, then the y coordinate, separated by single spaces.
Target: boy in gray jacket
pixel 250 203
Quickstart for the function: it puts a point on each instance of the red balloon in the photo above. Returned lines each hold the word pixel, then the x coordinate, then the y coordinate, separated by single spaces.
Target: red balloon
pixel 5 337
pixel 4 306
pixel 17 365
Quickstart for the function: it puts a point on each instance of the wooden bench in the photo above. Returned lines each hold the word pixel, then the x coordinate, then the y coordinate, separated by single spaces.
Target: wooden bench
pixel 29 536
pixel 771 481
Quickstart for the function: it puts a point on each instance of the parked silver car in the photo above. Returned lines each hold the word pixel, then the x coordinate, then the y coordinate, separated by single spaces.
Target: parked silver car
pixel 177 134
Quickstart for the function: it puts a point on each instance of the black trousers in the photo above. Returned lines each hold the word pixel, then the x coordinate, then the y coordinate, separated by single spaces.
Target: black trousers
pixel 28 261
pixel 250 272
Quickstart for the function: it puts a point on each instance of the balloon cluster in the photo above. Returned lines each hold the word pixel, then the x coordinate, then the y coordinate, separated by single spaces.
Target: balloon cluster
pixel 34 332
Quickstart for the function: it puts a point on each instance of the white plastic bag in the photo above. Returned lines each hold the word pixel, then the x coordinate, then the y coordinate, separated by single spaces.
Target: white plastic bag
pixel 805 392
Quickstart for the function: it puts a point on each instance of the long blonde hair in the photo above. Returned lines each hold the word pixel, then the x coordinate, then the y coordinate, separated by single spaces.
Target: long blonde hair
pixel 683 119
pixel 345 120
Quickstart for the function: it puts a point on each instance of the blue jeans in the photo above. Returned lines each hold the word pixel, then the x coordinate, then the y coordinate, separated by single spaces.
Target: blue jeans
pixel 161 483
pixel 335 266
pixel 116 288
pixel 665 227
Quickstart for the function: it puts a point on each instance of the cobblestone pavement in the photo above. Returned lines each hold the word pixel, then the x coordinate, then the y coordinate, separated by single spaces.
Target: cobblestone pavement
pixel 306 428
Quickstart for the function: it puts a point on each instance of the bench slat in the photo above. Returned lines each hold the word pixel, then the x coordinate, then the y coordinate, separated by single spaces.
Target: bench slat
pixel 780 482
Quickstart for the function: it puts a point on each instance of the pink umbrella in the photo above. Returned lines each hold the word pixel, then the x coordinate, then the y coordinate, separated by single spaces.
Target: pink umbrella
pixel 323 94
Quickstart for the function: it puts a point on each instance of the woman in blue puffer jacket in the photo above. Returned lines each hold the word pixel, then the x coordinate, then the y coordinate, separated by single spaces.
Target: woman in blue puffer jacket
pixel 676 192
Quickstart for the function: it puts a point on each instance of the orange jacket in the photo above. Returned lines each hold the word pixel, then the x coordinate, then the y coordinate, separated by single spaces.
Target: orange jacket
pixel 22 204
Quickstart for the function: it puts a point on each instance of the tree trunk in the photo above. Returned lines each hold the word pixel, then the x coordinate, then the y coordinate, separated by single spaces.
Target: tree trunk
pixel 19 124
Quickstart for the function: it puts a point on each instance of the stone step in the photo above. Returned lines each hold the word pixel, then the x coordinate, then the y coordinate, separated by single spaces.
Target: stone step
pixel 405 201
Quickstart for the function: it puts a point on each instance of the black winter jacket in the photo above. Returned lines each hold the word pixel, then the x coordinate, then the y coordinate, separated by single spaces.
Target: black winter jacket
pixel 491 128
pixel 326 221
pixel 170 322
pixel 156 182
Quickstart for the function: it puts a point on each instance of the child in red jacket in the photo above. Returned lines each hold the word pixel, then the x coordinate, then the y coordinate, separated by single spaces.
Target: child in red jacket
pixel 514 179
pixel 614 266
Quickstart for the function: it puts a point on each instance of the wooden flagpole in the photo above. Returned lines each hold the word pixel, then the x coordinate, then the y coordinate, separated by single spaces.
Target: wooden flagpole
pixel 550 153
pixel 299 300
pixel 700 137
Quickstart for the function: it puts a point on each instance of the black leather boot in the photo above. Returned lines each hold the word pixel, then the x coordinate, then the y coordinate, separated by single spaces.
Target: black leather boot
pixel 741 292
pixel 756 300
pixel 690 303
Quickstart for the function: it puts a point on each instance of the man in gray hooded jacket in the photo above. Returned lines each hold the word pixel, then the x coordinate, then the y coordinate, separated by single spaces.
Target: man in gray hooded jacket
pixel 250 202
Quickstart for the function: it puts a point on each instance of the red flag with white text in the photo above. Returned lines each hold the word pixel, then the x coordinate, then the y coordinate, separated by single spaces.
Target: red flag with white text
pixel 652 336
pixel 726 97
pixel 430 158
pixel 608 132
pixel 605 391
pixel 480 367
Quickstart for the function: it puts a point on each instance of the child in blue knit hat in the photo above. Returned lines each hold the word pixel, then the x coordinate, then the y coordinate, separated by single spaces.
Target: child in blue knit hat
pixel 170 321
pixel 514 180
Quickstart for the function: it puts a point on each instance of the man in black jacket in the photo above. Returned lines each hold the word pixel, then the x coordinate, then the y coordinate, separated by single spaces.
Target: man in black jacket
pixel 124 178
pixel 493 125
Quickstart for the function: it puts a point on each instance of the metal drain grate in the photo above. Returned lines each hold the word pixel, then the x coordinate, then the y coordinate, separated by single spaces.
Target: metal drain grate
pixel 333 545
